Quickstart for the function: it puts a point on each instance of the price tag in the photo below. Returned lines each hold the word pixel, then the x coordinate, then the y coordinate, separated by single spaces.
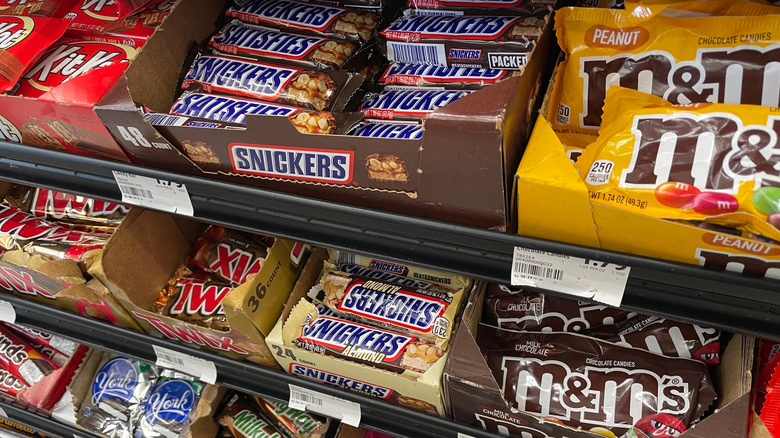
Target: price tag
pixel 202 369
pixel 463 435
pixel 308 400
pixel 582 278
pixel 154 193
pixel 7 312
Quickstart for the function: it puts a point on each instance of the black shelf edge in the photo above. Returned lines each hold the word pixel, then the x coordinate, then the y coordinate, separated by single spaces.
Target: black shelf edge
pixel 47 426
pixel 724 299
pixel 242 376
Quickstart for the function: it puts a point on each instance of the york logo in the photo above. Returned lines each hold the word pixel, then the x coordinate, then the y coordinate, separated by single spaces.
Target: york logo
pixel 235 263
pixel 745 264
pixel 9 132
pixel 319 165
pixel 73 60
pixel 170 401
pixel 590 397
pixel 117 379
pixel 13 30
pixel 198 298
pixel 191 335
pixel 712 151
pixel 750 79
pixel 60 205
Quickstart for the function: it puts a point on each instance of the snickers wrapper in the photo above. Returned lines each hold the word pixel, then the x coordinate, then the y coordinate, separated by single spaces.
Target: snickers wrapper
pixel 116 393
pixel 196 297
pixel 293 423
pixel 309 18
pixel 362 343
pixel 426 313
pixel 454 78
pixel 585 382
pixel 407 104
pixel 481 7
pixel 161 119
pixel 407 275
pixel 262 44
pixel 271 82
pixel 21 359
pixel 169 407
pixel 376 129
pixel 230 255
pixel 246 419
pixel 484 41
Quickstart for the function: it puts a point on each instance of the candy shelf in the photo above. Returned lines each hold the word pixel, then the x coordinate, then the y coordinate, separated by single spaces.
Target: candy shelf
pixel 47 426
pixel 242 376
pixel 724 299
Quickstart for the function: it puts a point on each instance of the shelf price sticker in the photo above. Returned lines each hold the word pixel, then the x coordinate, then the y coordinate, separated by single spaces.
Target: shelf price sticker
pixel 324 404
pixel 7 312
pixel 581 278
pixel 463 435
pixel 154 193
pixel 203 370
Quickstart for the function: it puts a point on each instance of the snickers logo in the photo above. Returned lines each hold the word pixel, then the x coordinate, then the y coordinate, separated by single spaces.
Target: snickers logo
pixel 319 165
pixel 224 108
pixel 237 37
pixel 341 381
pixel 411 103
pixel 412 27
pixel 388 303
pixel 72 60
pixel 388 130
pixel 14 29
pixel 464 54
pixel 436 74
pixel 354 340
pixel 383 275
pixel 261 80
pixel 290 13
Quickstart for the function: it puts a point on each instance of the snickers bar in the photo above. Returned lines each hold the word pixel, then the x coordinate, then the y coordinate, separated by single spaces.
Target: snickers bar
pixel 226 109
pixel 269 82
pixel 484 41
pixel 483 7
pixel 360 343
pixel 419 75
pixel 315 19
pixel 246 41
pixel 403 130
pixel 408 104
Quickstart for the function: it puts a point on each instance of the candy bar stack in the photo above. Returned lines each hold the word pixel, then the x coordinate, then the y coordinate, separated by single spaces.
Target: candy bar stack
pixel 248 417
pixel 600 368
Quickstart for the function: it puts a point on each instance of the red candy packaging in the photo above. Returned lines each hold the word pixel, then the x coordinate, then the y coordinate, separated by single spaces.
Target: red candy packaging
pixel 22 40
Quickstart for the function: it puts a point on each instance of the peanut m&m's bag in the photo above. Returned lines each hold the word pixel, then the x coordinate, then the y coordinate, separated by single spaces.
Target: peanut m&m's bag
pixel 684 59
pixel 718 163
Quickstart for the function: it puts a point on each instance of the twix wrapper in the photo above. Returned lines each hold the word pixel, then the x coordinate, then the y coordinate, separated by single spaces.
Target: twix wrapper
pixel 228 254
pixel 195 297
pixel 682 59
pixel 293 423
pixel 21 359
pixel 66 207
pixel 718 163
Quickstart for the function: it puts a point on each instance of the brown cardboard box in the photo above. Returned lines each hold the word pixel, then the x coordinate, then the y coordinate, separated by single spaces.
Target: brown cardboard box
pixel 460 171
pixel 146 250
pixel 475 396
pixel 419 390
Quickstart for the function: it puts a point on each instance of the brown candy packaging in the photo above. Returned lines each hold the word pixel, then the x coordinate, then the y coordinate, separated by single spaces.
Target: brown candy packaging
pixel 589 383
pixel 229 255
pixel 194 296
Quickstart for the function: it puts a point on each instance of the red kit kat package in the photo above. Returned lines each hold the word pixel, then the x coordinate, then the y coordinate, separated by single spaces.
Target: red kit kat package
pixel 22 40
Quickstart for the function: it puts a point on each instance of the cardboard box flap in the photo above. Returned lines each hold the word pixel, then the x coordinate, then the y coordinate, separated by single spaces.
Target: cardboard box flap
pixel 486 104
pixel 466 361
pixel 728 422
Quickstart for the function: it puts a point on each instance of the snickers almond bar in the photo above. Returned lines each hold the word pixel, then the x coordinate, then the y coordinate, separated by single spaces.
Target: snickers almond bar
pixel 407 104
pixel 269 82
pixel 419 75
pixel 261 44
pixel 311 18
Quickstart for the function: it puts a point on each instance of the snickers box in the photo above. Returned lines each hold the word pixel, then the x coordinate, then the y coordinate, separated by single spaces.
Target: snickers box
pixel 422 391
pixel 146 250
pixel 459 171
pixel 475 396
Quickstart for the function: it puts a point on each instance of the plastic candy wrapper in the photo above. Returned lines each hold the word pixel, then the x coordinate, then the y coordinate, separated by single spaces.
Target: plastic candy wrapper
pixel 244 418
pixel 168 408
pixel 195 297
pixel 72 209
pixel 232 256
pixel 21 359
pixel 23 41
pixel 293 423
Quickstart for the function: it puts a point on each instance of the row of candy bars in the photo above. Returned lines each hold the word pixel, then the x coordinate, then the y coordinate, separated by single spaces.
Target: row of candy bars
pixel 251 417
pixel 132 399
pixel 594 358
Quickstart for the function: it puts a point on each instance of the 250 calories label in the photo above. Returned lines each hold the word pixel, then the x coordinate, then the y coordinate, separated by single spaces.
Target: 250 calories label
pixel 582 278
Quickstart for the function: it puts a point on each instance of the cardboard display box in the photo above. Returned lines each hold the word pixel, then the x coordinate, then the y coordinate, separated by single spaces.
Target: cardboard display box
pixel 146 250
pixel 475 396
pixel 421 391
pixel 460 171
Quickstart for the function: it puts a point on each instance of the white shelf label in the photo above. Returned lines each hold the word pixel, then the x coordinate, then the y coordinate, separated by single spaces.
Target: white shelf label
pixel 7 312
pixel 463 435
pixel 154 193
pixel 308 400
pixel 582 278
pixel 202 369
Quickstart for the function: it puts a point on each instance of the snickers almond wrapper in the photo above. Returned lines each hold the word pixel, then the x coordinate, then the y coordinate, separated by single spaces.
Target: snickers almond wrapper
pixel 590 383
pixel 483 41
pixel 664 336
pixel 518 309
pixel 21 359
pixel 426 313
pixel 308 18
pixel 229 255
pixel 263 44
pixel 272 82
pixel 244 417
pixel 197 298
pixel 362 343
pixel 293 423
pixel 162 119
pixel 407 103
pixel 455 78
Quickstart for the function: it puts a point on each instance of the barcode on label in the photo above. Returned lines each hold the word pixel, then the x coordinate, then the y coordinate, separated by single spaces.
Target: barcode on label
pixel 170 358
pixel 538 271
pixel 135 191
pixel 305 398
pixel 430 54
pixel 164 119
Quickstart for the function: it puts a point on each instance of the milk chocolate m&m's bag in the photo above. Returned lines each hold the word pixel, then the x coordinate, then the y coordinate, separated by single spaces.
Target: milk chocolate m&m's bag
pixel 718 163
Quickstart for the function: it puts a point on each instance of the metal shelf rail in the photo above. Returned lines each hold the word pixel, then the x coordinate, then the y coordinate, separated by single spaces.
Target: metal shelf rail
pixel 47 426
